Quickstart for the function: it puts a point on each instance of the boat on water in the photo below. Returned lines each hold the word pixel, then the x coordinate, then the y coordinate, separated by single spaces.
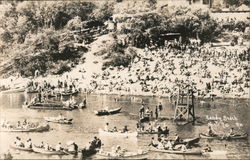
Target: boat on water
pixel 14 90
pixel 124 155
pixel 223 137
pixel 41 128
pixel 88 152
pixel 186 152
pixel 47 152
pixel 108 112
pixel 48 106
pixel 64 94
pixel 57 120
pixel 121 134
pixel 21 148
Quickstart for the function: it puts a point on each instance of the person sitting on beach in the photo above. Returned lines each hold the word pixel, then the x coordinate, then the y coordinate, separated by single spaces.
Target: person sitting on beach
pixel 115 129
pixel 153 143
pixel 166 130
pixel 98 143
pixel 59 147
pixel 25 122
pixel 106 127
pixel 207 148
pixel 125 129
pixel 19 124
pixel 183 148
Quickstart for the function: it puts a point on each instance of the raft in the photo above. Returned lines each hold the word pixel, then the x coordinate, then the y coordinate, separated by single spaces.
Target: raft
pixel 122 156
pixel 108 112
pixel 126 134
pixel 35 129
pixel 222 137
pixel 187 152
pixel 56 120
pixel 21 148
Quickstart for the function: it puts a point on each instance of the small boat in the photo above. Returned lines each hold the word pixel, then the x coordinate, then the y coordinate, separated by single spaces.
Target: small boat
pixel 15 90
pixel 49 106
pixel 21 148
pixel 125 134
pixel 56 120
pixel 88 152
pixel 187 152
pixel 64 94
pixel 108 112
pixel 47 152
pixel 153 132
pixel 223 137
pixel 124 155
pixel 41 128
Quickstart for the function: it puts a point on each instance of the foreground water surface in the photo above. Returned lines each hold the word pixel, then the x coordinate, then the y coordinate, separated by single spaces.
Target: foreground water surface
pixel 86 124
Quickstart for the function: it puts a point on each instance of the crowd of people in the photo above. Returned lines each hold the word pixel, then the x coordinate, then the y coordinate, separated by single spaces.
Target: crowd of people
pixel 158 70
pixel 20 125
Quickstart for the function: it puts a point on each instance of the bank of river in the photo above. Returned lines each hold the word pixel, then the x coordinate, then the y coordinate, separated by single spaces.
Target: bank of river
pixel 86 124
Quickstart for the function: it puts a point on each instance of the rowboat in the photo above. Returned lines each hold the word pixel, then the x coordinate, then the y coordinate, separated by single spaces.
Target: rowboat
pixel 108 112
pixel 187 152
pixel 56 120
pixel 223 137
pixel 47 152
pixel 21 148
pixel 34 129
pixel 124 155
pixel 125 134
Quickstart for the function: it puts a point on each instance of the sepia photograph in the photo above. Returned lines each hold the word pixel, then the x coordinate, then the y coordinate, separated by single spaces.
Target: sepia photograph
pixel 124 79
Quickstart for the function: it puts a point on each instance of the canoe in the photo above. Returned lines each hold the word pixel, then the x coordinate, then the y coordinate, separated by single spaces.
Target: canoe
pixel 222 137
pixel 126 134
pixel 56 120
pixel 144 119
pixel 43 151
pixel 64 94
pixel 123 156
pixel 13 90
pixel 153 132
pixel 35 129
pixel 49 106
pixel 21 148
pixel 87 153
pixel 108 112
pixel 187 152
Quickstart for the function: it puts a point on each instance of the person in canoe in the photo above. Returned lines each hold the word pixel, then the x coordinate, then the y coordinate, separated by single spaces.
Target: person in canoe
pixel 18 142
pixel 210 132
pixel 176 139
pixel 153 142
pixel 150 128
pixel 59 147
pixel 28 144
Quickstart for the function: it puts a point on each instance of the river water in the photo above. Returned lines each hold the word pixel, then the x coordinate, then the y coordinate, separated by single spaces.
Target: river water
pixel 86 124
